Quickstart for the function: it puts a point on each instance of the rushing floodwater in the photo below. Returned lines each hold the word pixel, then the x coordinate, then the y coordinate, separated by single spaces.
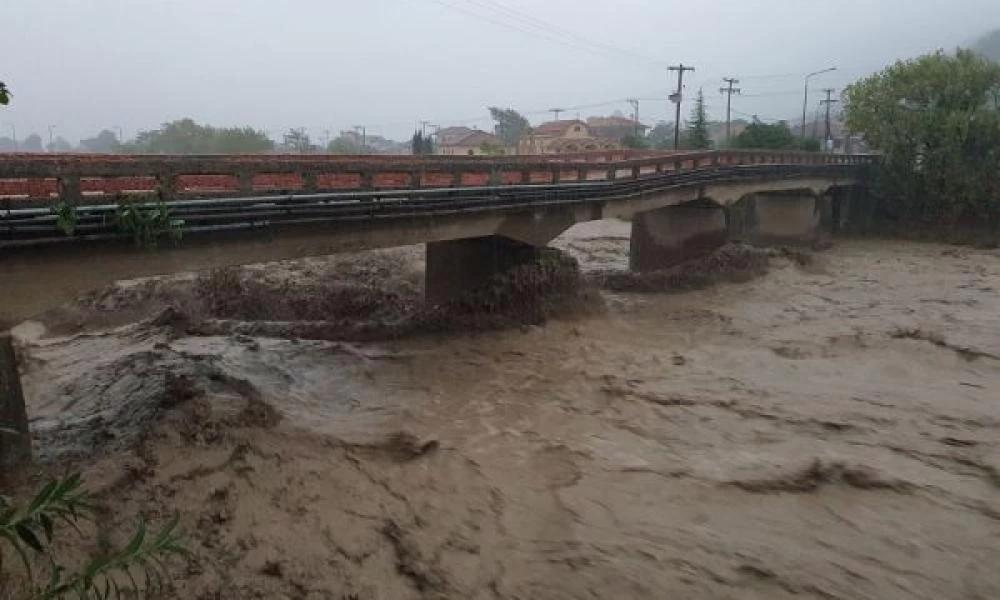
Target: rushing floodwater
pixel 830 431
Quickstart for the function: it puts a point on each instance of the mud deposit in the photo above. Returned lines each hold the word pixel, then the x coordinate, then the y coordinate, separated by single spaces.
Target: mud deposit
pixel 825 428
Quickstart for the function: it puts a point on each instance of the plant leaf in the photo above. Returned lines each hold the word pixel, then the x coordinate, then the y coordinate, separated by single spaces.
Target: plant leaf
pixel 28 536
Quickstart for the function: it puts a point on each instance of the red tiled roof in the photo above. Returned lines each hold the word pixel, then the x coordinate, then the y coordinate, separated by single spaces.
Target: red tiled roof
pixel 556 127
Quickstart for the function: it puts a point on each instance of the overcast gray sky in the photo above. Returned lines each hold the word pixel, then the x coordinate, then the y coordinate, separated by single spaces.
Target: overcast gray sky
pixel 84 65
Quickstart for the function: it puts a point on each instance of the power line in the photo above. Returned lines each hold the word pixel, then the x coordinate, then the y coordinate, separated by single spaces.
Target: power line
pixel 505 10
pixel 519 21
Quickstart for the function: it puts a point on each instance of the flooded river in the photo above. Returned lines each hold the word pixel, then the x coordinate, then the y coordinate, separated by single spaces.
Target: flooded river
pixel 827 430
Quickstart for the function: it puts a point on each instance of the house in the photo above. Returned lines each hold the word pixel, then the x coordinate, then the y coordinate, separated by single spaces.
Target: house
pixel 474 143
pixel 564 137
pixel 615 127
pixel 450 136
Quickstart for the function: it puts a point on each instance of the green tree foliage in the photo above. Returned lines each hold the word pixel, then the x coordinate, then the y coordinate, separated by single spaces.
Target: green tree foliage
pixel 635 142
pixel 421 144
pixel 297 140
pixel 936 124
pixel 60 144
pixel 106 142
pixel 32 143
pixel 762 135
pixel 345 145
pixel 492 149
pixel 31 529
pixel 661 136
pixel 511 125
pixel 4 94
pixel 696 137
pixel 184 136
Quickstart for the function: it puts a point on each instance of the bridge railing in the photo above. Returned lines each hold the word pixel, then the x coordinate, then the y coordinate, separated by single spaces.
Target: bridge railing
pixel 32 180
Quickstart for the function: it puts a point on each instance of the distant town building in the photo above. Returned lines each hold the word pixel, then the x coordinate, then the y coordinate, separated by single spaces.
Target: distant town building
pixel 452 142
pixel 450 136
pixel 615 127
pixel 564 137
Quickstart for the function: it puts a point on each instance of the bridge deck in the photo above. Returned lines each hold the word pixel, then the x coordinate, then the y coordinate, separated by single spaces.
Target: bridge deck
pixel 26 218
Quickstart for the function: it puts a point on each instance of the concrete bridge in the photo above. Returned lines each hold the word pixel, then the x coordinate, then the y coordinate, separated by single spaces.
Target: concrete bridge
pixel 477 216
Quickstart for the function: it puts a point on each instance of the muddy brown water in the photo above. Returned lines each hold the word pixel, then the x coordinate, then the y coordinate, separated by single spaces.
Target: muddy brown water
pixel 822 431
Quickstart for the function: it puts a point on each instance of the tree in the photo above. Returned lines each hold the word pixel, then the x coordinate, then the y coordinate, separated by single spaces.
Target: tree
pixel 492 149
pixel 106 141
pixel 297 140
pixel 661 136
pixel 421 144
pixel 696 137
pixel 937 127
pixel 762 135
pixel 635 142
pixel 510 126
pixel 184 136
pixel 343 145
pixel 4 94
pixel 241 140
pixel 32 143
pixel 60 144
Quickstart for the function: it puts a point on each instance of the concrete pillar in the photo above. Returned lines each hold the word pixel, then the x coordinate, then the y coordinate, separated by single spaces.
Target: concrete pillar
pixel 456 267
pixel 780 218
pixel 15 439
pixel 666 237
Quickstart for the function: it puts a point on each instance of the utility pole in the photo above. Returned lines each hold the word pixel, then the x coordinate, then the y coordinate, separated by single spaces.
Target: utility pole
pixel 635 115
pixel 805 96
pixel 729 91
pixel 676 99
pixel 423 128
pixel 828 102
pixel 52 146
pixel 13 134
pixel 555 112
pixel 364 134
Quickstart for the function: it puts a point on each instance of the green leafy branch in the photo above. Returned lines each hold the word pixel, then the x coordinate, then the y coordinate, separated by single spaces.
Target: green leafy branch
pixel 147 222
pixel 66 217
pixel 32 528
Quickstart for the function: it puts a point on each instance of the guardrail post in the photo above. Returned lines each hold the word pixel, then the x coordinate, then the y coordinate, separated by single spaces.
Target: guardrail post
pixel 69 189
pixel 556 175
pixel 636 171
pixel 309 182
pixel 15 437
pixel 244 179
pixel 166 186
pixel 367 180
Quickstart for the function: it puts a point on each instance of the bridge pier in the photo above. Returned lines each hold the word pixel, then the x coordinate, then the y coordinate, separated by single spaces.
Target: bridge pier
pixel 669 236
pixel 780 218
pixel 455 267
pixel 15 438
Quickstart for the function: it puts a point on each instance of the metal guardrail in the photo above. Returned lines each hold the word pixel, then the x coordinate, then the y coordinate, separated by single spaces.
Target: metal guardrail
pixel 38 225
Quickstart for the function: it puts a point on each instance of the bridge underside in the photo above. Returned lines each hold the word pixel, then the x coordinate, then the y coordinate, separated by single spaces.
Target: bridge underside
pixel 463 248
